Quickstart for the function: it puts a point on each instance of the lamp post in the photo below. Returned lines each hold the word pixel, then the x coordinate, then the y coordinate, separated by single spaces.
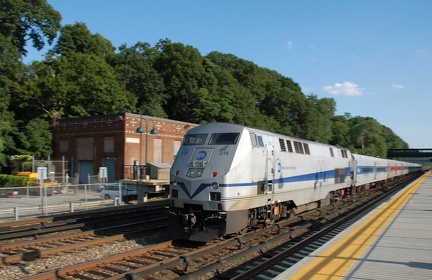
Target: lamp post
pixel 140 130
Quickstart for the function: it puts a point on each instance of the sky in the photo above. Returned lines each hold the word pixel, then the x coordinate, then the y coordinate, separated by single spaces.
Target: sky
pixel 373 57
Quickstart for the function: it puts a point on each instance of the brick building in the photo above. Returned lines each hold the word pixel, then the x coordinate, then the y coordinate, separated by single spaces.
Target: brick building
pixel 117 142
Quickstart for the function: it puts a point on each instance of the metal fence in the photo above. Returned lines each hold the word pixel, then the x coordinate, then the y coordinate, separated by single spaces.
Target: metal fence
pixel 19 202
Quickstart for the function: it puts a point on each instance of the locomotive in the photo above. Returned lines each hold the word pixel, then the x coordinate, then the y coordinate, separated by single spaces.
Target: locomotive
pixel 228 178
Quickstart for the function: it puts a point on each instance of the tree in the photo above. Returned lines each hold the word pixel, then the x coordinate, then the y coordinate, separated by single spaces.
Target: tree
pixel 181 68
pixel 367 136
pixel 77 38
pixel 75 86
pixel 392 140
pixel 135 72
pixel 341 132
pixel 36 138
pixel 326 108
pixel 21 21
pixel 28 20
pixel 11 70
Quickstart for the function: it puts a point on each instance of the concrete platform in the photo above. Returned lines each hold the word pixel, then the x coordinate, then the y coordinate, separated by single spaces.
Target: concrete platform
pixel 392 242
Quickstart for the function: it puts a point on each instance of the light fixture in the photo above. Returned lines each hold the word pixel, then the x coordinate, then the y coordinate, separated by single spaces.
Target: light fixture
pixel 140 130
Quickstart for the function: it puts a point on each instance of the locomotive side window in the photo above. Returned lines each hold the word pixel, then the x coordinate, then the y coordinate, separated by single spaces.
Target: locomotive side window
pixel 282 145
pixel 344 154
pixel 306 148
pixel 290 148
pixel 224 138
pixel 331 152
pixel 298 147
pixel 195 139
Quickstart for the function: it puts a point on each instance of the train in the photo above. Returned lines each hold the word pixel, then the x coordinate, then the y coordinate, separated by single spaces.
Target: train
pixel 228 178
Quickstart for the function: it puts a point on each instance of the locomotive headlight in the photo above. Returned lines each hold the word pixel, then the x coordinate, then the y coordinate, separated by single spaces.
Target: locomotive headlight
pixel 174 183
pixel 215 185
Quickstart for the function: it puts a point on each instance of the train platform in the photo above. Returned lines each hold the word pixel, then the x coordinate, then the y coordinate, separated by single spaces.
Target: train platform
pixel 394 241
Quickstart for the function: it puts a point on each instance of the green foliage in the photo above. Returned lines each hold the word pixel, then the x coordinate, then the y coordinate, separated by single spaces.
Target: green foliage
pixel 21 157
pixel 78 39
pixel 28 20
pixel 135 72
pixel 37 138
pixel 74 86
pixel 181 68
pixel 340 132
pixel 7 181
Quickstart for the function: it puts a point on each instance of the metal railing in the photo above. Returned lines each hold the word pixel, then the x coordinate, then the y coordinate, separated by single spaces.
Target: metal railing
pixel 32 201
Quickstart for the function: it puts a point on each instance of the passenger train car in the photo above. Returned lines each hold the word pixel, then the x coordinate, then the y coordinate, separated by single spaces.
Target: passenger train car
pixel 227 178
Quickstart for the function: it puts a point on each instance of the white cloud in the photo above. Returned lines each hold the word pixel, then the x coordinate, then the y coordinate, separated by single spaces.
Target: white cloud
pixel 345 88
pixel 290 45
pixel 397 86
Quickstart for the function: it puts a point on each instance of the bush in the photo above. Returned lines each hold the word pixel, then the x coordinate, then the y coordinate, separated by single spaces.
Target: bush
pixel 7 181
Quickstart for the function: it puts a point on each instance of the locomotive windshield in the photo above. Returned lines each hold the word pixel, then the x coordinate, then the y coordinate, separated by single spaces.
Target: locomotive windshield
pixel 224 138
pixel 195 139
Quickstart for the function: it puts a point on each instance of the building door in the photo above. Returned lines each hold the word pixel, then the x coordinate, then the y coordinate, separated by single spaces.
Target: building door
pixel 109 163
pixel 85 169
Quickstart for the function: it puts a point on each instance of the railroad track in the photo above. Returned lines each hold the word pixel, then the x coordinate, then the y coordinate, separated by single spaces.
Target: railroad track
pixel 41 248
pixel 185 260
pixel 35 228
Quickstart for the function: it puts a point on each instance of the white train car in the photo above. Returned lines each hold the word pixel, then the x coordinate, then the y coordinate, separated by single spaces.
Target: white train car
pixel 228 177
pixel 369 171
pixel 395 168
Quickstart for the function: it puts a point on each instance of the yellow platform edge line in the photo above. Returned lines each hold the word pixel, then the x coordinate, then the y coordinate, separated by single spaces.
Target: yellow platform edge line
pixel 337 260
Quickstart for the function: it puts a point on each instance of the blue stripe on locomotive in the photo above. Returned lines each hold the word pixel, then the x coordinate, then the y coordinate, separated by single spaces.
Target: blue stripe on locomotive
pixel 329 174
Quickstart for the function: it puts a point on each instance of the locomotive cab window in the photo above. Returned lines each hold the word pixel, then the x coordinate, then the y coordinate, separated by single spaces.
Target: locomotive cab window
pixel 195 139
pixel 224 138
pixel 260 141
pixel 254 140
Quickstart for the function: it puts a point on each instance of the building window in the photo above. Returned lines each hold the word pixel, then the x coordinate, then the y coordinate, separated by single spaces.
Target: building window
pixel 109 144
pixel 64 146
